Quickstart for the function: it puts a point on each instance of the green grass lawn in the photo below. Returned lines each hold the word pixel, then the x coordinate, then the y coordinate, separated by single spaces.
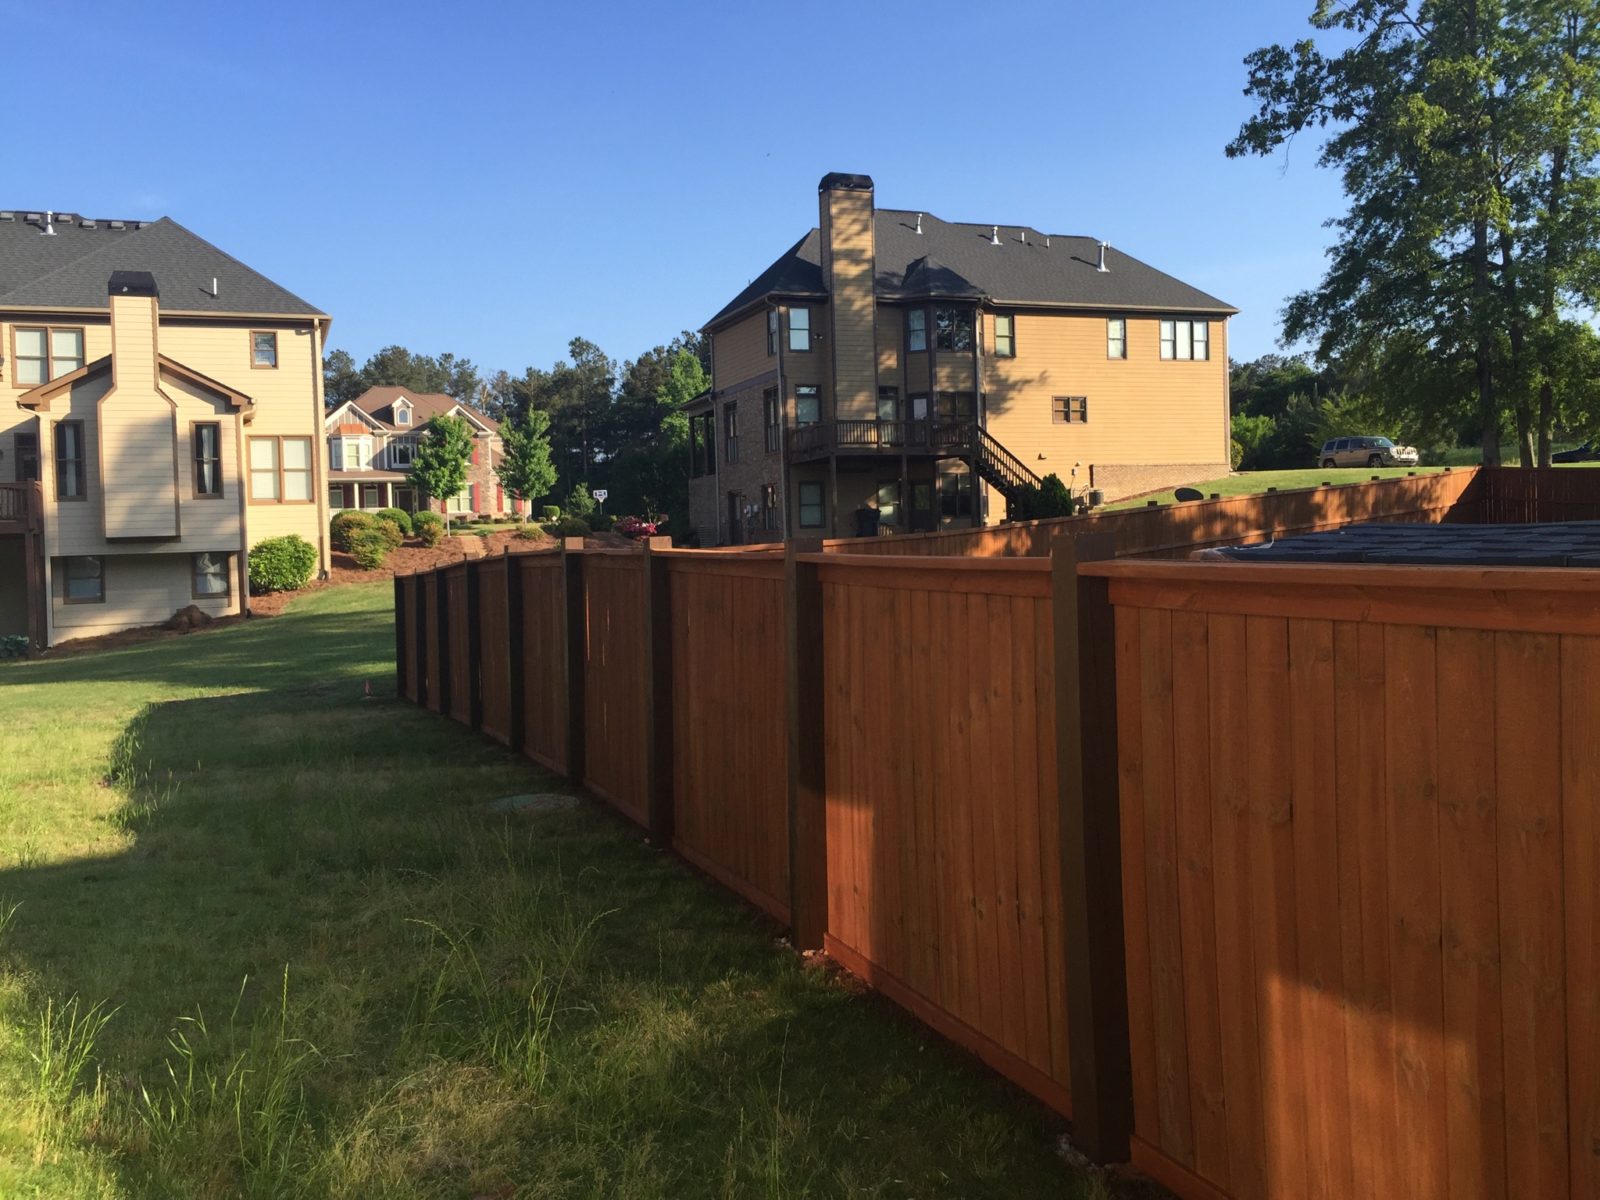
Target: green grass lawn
pixel 1249 483
pixel 260 936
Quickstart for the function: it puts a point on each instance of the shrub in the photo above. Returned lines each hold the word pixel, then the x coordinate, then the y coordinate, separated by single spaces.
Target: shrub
pixel 552 512
pixel 530 531
pixel 398 515
pixel 600 522
pixel 369 547
pixel 386 529
pixel 568 527
pixel 431 533
pixel 281 564
pixel 636 527
pixel 419 520
pixel 1050 499
pixel 14 645
pixel 580 504
pixel 345 524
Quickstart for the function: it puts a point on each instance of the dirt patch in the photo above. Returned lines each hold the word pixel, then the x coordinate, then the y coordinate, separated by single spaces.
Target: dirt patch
pixel 132 637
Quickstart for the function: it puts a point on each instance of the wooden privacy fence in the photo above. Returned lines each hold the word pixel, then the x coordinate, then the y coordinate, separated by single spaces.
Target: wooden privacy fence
pixel 1361 859
pixel 885 754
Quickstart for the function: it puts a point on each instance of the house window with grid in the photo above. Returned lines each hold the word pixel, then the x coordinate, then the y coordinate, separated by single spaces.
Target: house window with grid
pixel 400 452
pixel 771 415
pixel 45 352
pixel 916 329
pixel 774 327
pixel 1185 340
pixel 888 404
pixel 264 349
pixel 209 579
pixel 280 470
pixel 955 494
pixel 1069 410
pixel 730 432
pixel 208 459
pixel 812 513
pixel 953 328
pixel 83 580
pixel 71 462
pixel 1005 335
pixel 807 405
pixel 800 329
pixel 1116 337
pixel 702 445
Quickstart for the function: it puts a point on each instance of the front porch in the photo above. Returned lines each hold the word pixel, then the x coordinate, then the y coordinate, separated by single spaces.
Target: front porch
pixel 368 491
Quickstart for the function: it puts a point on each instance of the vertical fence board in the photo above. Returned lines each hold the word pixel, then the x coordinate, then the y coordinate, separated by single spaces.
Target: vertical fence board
pixel 1135 906
pixel 461 617
pixel 544 687
pixel 494 670
pixel 1580 828
pixel 614 681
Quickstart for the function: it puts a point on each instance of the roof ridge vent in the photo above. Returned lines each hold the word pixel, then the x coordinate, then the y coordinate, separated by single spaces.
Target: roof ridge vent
pixel 994 235
pixel 1102 268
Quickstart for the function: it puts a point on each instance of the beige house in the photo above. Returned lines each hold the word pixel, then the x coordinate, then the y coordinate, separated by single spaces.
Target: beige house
pixel 373 439
pixel 896 371
pixel 160 413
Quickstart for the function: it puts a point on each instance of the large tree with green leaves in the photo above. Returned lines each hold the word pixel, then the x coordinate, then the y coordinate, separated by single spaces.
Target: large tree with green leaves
pixel 395 366
pixel 439 467
pixel 525 469
pixel 1466 133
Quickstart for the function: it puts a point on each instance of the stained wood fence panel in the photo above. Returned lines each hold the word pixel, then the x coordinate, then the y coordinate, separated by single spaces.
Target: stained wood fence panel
pixel 455 582
pixel 433 585
pixel 730 758
pixel 412 662
pixel 494 676
pixel 942 815
pixel 614 681
pixel 1361 905
pixel 544 680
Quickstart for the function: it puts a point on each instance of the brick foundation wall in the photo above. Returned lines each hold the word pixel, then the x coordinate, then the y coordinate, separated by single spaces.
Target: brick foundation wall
pixel 1118 480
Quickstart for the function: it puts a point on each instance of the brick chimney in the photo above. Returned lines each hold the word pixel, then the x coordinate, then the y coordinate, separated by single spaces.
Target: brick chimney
pixel 137 422
pixel 849 257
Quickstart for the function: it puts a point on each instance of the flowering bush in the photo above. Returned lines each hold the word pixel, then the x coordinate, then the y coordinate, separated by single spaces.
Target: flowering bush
pixel 638 528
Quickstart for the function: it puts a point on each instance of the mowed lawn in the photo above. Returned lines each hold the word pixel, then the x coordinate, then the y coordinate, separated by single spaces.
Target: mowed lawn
pixel 261 936
pixel 1251 483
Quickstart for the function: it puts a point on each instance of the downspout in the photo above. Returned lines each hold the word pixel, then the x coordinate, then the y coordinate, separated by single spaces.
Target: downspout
pixel 784 482
pixel 319 470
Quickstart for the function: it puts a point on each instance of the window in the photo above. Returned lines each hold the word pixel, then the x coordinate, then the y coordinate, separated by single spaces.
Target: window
pixel 71 462
pixel 1117 338
pixel 955 494
pixel 1185 340
pixel 400 453
pixel 263 349
pixel 811 510
pixel 1069 410
pixel 280 470
pixel 889 502
pixel 210 575
pixel 1005 336
pixel 730 432
pixel 336 495
pixel 769 506
pixel 702 445
pixel 807 405
pixel 772 331
pixel 919 406
pixel 953 328
pixel 83 580
pixel 402 414
pixel 770 418
pixel 800 329
pixel 956 406
pixel 43 353
pixel 916 329
pixel 26 446
pixel 888 404
pixel 461 502
pixel 207 459
pixel 369 496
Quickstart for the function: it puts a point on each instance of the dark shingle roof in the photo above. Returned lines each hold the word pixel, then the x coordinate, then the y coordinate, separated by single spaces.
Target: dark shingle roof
pixel 948 259
pixel 378 403
pixel 1563 544
pixel 71 269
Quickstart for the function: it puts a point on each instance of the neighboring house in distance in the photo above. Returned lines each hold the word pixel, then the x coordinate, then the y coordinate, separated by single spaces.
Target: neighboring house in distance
pixel 891 361
pixel 160 413
pixel 371 441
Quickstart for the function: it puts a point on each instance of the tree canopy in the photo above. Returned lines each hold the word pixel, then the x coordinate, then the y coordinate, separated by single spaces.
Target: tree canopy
pixel 525 469
pixel 439 467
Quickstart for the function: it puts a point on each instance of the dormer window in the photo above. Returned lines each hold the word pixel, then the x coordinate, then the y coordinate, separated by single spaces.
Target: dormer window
pixel 402 414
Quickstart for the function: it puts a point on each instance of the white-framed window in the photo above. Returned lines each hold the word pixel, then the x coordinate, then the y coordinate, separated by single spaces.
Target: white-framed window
pixel 916 329
pixel 800 329
pixel 44 353
pixel 812 512
pixel 400 452
pixel 210 575
pixel 280 470
pixel 1005 335
pixel 807 405
pixel 402 414
pixel 1117 338
pixel 355 453
pixel 369 496
pixel 461 502
pixel 1185 340
pixel 263 349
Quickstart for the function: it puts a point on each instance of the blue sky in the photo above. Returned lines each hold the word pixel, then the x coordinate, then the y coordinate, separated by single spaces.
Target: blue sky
pixel 495 179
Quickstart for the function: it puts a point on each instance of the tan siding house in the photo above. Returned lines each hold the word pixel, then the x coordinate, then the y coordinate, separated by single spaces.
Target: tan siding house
pixel 897 372
pixel 160 414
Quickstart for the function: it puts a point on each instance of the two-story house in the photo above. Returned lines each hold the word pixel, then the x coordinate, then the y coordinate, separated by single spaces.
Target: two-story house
pixel 373 438
pixel 913 372
pixel 160 413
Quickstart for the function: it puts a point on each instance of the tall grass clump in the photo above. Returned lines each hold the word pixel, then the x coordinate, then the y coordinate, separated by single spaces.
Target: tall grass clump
pixel 62 1048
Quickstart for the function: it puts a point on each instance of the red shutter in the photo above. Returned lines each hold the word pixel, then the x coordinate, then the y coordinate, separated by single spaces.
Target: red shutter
pixel 474 453
pixel 499 498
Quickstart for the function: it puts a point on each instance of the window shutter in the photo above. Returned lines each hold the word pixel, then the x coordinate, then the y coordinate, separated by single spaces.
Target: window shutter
pixel 472 491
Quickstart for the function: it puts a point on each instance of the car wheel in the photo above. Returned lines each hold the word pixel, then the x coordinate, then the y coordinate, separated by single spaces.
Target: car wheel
pixel 1374 460
pixel 1328 462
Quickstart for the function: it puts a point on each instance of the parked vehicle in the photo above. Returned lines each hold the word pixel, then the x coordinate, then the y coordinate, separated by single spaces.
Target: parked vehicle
pixel 1365 452
pixel 1583 453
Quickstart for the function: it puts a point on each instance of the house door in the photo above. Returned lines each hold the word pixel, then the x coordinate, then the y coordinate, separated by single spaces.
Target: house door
pixel 735 518
pixel 921 506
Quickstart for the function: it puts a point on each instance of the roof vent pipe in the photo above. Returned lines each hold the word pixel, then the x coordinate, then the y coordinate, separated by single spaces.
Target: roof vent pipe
pixel 1024 234
pixel 919 224
pixel 1102 268
pixel 213 287
pixel 1047 241
pixel 49 224
pixel 994 236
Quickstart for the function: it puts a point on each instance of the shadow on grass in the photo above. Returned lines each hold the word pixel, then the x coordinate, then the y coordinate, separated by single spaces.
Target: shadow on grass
pixel 336 973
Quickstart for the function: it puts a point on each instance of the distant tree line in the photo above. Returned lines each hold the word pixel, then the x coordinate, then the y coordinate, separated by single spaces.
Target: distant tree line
pixel 595 422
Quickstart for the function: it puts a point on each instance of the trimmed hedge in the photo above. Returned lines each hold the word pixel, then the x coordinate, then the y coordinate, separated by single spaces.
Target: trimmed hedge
pixel 369 547
pixel 346 524
pixel 552 512
pixel 281 564
pixel 568 527
pixel 388 531
pixel 398 515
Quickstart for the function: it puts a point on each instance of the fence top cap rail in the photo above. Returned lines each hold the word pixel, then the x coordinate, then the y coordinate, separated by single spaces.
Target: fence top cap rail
pixel 722 554
pixel 1383 576
pixel 927 562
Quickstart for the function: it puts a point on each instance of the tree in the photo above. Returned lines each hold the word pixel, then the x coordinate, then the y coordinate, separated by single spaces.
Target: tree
pixel 1466 132
pixel 439 467
pixel 341 382
pixel 525 469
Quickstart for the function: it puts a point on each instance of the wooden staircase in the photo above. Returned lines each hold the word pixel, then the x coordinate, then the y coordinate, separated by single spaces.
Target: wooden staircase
pixel 998 467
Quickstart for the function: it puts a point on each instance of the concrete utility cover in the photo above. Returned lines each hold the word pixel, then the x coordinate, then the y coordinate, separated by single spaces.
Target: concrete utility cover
pixel 534 803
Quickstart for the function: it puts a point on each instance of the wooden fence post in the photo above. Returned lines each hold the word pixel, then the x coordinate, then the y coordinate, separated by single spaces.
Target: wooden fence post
pixel 1091 863
pixel 808 794
pixel 658 721
pixel 400 637
pixel 515 717
pixel 441 617
pixel 419 596
pixel 474 647
pixel 577 629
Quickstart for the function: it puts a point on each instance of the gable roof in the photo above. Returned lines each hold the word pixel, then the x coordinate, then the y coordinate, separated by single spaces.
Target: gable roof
pixel 378 403
pixel 960 260
pixel 70 269
pixel 39 397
